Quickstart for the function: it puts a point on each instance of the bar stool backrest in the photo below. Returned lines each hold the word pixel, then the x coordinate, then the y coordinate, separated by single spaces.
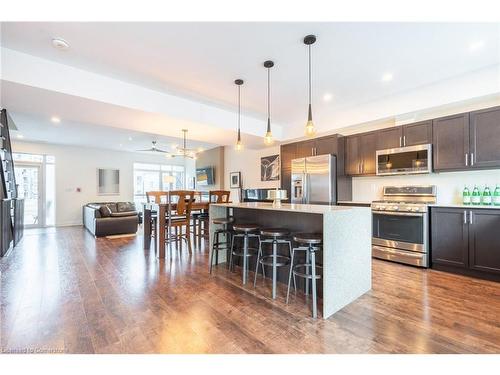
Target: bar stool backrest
pixel 156 196
pixel 219 196
pixel 183 200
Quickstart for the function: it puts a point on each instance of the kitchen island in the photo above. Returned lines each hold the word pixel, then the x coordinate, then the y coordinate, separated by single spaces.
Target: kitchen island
pixel 347 235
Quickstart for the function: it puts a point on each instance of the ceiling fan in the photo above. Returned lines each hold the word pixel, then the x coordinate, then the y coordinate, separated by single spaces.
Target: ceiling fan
pixel 154 149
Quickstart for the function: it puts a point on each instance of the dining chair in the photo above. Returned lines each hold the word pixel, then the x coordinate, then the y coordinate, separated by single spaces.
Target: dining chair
pixel 155 197
pixel 214 196
pixel 179 217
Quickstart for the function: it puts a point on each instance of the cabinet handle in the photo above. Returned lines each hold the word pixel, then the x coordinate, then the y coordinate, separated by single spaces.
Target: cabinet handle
pixel 404 140
pixel 471 159
pixel 466 159
pixel 470 217
pixel 465 216
pixel 400 142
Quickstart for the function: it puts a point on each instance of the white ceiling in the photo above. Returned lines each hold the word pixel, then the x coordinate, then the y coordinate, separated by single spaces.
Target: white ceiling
pixel 201 60
pixel 81 121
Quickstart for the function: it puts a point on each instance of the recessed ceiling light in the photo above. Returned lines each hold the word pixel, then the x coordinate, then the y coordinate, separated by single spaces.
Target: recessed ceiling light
pixel 129 138
pixel 327 97
pixel 55 119
pixel 121 145
pixel 60 44
pixel 387 77
pixel 20 136
pixel 476 45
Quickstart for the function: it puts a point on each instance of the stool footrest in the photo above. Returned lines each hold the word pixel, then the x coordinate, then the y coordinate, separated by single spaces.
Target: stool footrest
pixel 251 252
pixel 304 275
pixel 284 260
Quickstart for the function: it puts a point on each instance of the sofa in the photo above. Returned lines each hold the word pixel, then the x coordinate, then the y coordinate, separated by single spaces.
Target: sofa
pixel 109 218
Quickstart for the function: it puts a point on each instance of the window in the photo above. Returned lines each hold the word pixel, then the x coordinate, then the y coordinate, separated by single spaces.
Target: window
pixel 35 178
pixel 152 177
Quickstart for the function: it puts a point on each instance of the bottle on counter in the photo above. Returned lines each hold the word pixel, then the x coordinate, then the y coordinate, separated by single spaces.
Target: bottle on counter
pixel 466 196
pixel 476 196
pixel 496 196
pixel 486 199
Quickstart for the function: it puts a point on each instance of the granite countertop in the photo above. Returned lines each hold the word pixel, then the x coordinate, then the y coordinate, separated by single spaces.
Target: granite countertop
pixel 458 205
pixel 304 208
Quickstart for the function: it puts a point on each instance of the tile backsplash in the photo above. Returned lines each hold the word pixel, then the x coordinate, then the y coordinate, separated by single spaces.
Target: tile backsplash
pixel 449 184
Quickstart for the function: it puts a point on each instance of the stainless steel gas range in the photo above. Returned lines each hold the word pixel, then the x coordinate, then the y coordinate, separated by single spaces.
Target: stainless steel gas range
pixel 401 224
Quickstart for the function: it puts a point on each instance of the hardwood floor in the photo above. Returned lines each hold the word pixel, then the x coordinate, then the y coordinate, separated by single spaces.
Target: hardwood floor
pixel 64 291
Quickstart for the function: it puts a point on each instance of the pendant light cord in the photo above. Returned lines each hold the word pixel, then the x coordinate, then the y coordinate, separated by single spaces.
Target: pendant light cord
pixel 239 110
pixel 269 93
pixel 310 90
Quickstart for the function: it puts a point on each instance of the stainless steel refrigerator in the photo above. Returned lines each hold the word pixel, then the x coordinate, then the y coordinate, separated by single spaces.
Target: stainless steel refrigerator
pixel 314 180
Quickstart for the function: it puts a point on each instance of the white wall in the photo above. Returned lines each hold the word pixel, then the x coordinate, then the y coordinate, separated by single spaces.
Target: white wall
pixel 76 167
pixel 247 162
pixel 449 184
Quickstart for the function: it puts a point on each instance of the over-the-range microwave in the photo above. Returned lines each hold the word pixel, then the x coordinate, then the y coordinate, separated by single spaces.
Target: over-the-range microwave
pixel 404 160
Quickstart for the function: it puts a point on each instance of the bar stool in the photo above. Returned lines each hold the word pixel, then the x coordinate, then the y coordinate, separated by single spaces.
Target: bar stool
pixel 275 236
pixel 216 244
pixel 246 231
pixel 309 270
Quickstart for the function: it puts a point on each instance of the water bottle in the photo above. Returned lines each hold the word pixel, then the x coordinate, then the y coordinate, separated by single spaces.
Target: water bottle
pixel 486 199
pixel 496 196
pixel 466 196
pixel 476 196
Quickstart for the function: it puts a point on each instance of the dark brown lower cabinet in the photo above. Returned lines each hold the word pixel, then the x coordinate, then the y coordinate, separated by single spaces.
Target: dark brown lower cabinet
pixel 449 231
pixel 466 240
pixel 484 240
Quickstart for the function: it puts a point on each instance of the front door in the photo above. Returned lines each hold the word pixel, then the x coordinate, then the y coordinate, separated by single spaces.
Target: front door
pixel 30 183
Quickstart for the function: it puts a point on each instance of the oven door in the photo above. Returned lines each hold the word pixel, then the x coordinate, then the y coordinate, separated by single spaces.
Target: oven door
pixel 400 230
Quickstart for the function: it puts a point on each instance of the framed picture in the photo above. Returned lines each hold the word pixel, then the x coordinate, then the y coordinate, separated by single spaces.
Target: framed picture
pixel 108 181
pixel 235 180
pixel 270 168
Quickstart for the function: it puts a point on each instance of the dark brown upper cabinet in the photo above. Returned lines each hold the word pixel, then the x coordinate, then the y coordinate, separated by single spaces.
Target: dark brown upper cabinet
pixel 451 142
pixel 390 138
pixel 306 148
pixel 352 155
pixel 368 151
pixel 318 146
pixel 485 138
pixel 467 141
pixel 327 145
pixel 419 133
pixel 360 154
pixel 288 152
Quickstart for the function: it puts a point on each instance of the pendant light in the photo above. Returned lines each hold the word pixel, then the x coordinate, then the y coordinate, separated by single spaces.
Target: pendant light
pixel 310 131
pixel 268 138
pixel 239 144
